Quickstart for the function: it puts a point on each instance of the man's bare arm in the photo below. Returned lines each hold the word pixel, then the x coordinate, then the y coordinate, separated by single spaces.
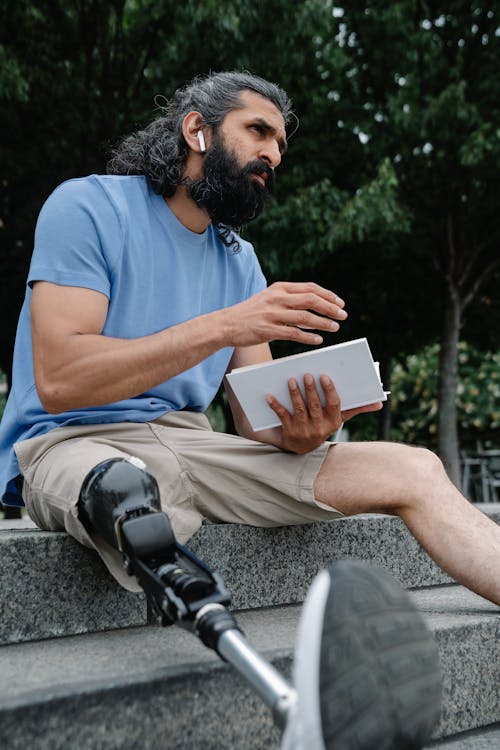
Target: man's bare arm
pixel 77 366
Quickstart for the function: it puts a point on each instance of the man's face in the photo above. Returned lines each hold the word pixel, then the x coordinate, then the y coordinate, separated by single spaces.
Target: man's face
pixel 238 170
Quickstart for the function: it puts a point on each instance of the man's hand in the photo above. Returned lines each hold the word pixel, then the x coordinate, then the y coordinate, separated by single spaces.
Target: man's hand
pixel 311 423
pixel 284 311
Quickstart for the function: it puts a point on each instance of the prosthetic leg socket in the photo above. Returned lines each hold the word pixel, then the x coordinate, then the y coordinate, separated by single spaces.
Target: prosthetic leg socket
pixel 118 495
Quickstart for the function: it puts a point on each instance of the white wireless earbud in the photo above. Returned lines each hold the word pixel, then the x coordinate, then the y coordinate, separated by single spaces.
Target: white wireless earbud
pixel 201 141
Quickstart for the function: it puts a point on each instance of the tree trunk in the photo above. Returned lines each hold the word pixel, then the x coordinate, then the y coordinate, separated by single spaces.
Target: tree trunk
pixel 448 381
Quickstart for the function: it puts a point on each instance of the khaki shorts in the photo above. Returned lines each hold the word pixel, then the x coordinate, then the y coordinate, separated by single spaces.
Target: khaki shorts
pixel 202 475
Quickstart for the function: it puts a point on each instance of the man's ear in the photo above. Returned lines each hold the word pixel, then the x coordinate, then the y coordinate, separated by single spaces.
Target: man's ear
pixel 195 132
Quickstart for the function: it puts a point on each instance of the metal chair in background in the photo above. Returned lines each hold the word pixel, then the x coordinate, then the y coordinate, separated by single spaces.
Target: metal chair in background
pixel 481 475
pixel 492 461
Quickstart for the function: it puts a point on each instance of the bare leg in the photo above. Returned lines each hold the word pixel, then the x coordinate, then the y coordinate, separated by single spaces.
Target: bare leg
pixel 411 483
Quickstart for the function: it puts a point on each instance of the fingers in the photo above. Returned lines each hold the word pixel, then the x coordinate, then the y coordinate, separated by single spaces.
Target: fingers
pixel 305 319
pixel 305 307
pixel 300 410
pixel 283 414
pixel 314 406
pixel 291 333
pixel 315 302
pixel 310 422
pixel 309 296
pixel 308 417
pixel 285 310
pixel 310 287
pixel 332 398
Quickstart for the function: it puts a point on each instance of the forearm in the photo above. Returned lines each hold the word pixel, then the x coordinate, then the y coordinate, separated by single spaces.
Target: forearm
pixel 94 369
pixel 76 366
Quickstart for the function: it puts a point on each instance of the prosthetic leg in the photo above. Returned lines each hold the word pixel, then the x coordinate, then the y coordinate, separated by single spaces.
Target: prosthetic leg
pixel 121 502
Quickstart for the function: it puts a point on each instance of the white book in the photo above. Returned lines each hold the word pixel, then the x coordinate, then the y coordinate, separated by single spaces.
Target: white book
pixel 349 365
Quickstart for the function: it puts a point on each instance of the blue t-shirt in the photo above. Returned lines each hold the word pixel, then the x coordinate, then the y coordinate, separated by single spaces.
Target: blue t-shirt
pixel 114 235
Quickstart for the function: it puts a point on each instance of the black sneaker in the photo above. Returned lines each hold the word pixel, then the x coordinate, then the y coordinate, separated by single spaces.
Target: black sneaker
pixel 366 666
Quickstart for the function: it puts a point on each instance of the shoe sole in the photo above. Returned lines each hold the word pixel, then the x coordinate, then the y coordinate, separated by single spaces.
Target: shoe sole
pixel 379 679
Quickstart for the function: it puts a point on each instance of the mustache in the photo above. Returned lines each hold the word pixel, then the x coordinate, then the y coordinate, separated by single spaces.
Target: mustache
pixel 260 168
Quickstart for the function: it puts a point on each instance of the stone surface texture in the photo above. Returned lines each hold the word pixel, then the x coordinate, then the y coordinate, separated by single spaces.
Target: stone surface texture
pixel 487 738
pixel 115 683
pixel 50 585
pixel 261 567
pixel 155 688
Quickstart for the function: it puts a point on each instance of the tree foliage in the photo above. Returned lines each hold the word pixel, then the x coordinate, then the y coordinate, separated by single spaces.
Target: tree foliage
pixel 424 77
pixel 415 400
pixel 389 190
pixel 81 74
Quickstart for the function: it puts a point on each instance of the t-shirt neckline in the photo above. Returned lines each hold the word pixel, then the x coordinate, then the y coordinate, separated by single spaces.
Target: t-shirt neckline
pixel 170 220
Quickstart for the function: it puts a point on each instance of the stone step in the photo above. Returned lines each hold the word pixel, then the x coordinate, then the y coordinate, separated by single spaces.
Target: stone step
pixel 160 689
pixel 479 739
pixel 52 586
pixel 261 567
pixel 264 567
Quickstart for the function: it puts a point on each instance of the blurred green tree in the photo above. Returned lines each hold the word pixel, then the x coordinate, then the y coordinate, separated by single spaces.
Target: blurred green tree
pixel 424 80
pixel 80 75
pixel 388 195
pixel 477 397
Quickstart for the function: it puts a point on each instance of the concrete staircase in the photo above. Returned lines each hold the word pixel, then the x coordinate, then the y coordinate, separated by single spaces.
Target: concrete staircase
pixel 81 668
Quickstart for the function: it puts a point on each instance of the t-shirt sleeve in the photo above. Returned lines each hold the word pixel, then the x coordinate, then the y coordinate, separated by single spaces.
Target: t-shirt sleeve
pixel 77 238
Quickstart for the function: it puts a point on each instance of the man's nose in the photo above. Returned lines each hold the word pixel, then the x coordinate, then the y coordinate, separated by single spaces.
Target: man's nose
pixel 270 154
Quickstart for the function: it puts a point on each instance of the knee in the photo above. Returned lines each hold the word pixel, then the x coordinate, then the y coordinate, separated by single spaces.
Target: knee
pixel 425 468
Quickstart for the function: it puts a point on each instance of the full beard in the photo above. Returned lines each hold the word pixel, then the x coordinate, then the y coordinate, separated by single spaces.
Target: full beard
pixel 228 193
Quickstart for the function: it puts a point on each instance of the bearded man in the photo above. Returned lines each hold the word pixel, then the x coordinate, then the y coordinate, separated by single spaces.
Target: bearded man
pixel 141 295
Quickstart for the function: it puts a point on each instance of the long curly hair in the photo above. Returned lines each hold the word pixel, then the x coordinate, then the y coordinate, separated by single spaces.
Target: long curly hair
pixel 160 151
